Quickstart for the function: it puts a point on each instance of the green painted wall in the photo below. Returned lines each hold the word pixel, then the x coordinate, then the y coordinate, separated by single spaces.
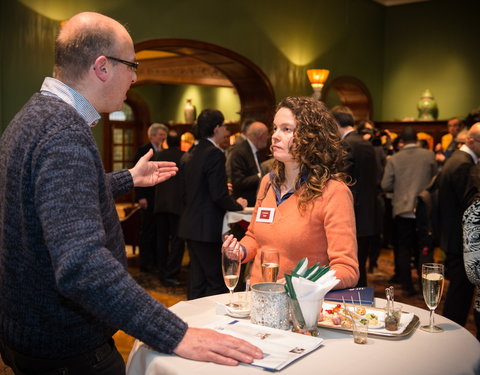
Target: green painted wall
pixel 432 45
pixel 166 102
pixel 282 38
pixel 397 52
pixel 26 55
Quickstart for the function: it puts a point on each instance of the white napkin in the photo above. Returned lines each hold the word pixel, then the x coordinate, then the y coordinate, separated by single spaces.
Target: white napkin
pixel 310 294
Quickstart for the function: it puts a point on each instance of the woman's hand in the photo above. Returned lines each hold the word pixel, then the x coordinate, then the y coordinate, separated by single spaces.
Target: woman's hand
pixel 230 243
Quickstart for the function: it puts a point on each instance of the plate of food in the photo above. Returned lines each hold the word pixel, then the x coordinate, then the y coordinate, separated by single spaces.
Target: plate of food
pixel 342 316
pixel 338 316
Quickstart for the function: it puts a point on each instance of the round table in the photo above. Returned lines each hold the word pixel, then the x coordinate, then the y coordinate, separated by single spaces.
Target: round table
pixel 454 351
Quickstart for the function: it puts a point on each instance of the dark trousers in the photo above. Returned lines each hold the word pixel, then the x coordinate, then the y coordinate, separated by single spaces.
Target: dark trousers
pixel 104 360
pixel 170 247
pixel 406 232
pixel 206 276
pixel 365 246
pixel 148 261
pixel 458 300
pixel 374 252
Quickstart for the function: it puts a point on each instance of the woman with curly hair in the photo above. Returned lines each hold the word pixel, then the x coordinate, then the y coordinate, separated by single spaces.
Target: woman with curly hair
pixel 304 207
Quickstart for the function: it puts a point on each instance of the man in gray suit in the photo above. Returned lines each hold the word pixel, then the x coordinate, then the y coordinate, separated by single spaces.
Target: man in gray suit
pixel 406 174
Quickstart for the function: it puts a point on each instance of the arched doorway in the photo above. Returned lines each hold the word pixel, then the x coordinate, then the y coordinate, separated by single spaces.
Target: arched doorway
pixel 185 61
pixel 352 93
pixel 192 61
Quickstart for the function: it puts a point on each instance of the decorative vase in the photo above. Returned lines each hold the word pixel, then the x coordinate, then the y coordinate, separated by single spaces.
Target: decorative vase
pixel 190 112
pixel 427 107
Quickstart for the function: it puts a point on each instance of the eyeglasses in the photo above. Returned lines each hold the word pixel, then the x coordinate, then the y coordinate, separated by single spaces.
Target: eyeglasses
pixel 133 65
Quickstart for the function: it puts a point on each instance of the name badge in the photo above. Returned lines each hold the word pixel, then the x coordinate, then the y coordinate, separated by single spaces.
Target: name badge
pixel 265 215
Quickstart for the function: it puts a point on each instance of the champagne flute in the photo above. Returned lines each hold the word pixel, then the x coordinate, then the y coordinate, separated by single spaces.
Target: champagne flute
pixel 270 260
pixel 432 282
pixel 231 264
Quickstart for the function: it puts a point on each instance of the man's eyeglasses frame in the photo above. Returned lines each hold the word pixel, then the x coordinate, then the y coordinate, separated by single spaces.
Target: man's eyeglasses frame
pixel 133 65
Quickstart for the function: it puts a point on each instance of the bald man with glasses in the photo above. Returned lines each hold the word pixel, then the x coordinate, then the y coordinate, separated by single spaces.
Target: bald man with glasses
pixel 64 285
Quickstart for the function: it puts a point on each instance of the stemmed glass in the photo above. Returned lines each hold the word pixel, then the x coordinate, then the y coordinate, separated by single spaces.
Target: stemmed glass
pixel 231 264
pixel 432 282
pixel 269 259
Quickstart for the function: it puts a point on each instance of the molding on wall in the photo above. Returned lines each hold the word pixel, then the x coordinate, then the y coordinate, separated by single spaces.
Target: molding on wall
pixel 180 70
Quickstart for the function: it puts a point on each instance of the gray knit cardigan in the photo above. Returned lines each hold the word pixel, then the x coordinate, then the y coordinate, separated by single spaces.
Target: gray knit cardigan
pixel 64 285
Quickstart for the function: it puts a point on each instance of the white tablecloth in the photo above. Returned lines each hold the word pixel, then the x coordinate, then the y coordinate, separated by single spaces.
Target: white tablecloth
pixel 455 351
pixel 236 216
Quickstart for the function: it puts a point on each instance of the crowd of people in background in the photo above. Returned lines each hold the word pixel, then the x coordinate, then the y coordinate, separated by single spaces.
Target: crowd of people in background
pixel 407 196
pixel 64 281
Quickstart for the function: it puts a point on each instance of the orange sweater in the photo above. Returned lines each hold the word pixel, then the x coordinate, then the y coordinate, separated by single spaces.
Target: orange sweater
pixel 324 233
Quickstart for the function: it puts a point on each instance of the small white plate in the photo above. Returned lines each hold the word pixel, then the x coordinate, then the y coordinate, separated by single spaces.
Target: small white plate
pixel 237 313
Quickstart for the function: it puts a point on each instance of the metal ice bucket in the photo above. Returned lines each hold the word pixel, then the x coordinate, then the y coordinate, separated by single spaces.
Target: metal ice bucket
pixel 270 305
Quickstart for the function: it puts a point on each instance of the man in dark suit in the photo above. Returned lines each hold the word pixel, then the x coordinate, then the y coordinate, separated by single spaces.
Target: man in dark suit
pixel 454 192
pixel 167 209
pixel 362 169
pixel 243 163
pixel 145 197
pixel 206 199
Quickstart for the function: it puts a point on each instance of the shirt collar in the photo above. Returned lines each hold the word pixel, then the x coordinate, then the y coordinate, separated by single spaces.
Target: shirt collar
pixel 347 133
pixel 468 150
pixel 213 142
pixel 54 87
pixel 278 194
pixel 252 146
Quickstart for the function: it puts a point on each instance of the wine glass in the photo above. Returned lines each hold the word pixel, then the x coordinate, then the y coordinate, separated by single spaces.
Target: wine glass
pixel 231 264
pixel 432 282
pixel 270 260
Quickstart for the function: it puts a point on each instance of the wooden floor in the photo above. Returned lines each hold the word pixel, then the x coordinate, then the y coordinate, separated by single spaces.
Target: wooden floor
pixel 170 296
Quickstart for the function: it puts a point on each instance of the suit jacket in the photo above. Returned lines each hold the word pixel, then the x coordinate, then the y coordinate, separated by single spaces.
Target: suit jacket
pixel 362 168
pixel 144 192
pixel 244 173
pixel 407 174
pixel 205 194
pixel 453 185
pixel 168 197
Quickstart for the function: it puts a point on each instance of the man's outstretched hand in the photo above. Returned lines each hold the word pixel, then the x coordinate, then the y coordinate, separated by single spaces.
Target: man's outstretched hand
pixel 210 346
pixel 149 173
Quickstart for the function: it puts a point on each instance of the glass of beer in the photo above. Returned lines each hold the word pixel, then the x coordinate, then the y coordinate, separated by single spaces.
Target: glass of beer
pixel 432 283
pixel 270 261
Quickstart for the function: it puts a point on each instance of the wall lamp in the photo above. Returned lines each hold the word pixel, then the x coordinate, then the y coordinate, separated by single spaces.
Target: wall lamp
pixel 317 78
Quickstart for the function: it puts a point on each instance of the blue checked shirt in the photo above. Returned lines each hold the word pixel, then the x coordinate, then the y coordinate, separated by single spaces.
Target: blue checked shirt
pixel 54 87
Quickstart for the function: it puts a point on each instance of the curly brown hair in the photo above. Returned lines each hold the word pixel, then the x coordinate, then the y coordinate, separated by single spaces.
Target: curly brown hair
pixel 316 146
